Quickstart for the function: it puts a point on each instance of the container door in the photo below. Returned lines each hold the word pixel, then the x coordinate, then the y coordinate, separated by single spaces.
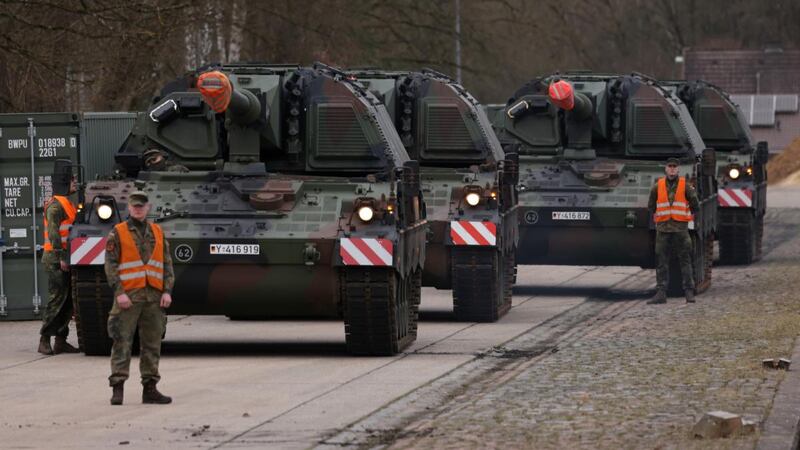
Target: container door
pixel 29 145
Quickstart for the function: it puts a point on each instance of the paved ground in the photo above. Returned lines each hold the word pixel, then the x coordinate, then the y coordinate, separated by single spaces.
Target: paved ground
pixel 580 361
pixel 256 384
pixel 617 374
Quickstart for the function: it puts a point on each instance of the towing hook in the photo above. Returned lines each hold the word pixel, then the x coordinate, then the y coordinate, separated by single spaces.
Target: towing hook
pixel 310 254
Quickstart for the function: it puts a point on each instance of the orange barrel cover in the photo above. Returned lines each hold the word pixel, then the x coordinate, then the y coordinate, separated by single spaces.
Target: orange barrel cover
pixel 562 95
pixel 216 90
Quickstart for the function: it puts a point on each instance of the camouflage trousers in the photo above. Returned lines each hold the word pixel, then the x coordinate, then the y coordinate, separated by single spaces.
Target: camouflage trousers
pixel 58 311
pixel 151 322
pixel 678 244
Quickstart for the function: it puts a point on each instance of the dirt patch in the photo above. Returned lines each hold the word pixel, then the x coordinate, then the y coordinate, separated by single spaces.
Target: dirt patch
pixel 785 167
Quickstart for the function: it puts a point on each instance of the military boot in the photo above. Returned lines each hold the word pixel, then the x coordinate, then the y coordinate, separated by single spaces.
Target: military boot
pixel 689 295
pixel 62 346
pixel 151 395
pixel 116 397
pixel 658 299
pixel 44 346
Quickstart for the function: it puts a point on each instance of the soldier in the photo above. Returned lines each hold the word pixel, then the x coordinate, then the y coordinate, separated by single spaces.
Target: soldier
pixel 673 202
pixel 154 160
pixel 59 214
pixel 139 270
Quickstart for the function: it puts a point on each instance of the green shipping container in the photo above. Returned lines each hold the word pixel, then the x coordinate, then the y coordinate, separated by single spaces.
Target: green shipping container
pixel 29 145
pixel 102 134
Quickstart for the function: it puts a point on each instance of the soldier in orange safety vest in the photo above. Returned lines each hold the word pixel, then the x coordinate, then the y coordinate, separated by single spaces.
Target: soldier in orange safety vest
pixel 59 215
pixel 673 203
pixel 139 270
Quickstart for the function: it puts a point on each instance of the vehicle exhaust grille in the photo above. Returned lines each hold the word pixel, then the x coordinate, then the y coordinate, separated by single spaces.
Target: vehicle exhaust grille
pixel 339 133
pixel 446 130
pixel 652 127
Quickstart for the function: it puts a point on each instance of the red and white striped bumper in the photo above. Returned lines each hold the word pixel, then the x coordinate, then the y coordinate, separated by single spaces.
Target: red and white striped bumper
pixel 473 233
pixel 366 251
pixel 87 251
pixel 735 198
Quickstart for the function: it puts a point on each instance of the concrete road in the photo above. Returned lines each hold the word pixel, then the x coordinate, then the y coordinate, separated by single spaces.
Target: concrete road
pixel 266 384
pixel 253 383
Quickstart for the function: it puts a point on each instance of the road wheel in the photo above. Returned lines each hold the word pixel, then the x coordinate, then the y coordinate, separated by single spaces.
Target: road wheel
pixel 378 315
pixel 481 284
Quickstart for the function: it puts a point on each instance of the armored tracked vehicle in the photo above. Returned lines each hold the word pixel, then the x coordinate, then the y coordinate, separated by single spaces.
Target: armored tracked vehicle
pixel 589 153
pixel 300 201
pixel 741 169
pixel 468 183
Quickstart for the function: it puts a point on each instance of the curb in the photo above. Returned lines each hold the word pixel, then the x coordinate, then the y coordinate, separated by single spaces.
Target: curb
pixel 782 427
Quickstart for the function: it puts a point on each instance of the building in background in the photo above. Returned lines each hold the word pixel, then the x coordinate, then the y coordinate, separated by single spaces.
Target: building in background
pixel 765 84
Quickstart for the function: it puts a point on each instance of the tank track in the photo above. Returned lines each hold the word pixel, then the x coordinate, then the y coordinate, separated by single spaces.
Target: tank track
pixel 759 238
pixel 481 284
pixel 92 298
pixel 740 236
pixel 380 315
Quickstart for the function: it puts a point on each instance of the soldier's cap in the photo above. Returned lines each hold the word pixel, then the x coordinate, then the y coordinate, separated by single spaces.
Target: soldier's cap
pixel 673 162
pixel 138 198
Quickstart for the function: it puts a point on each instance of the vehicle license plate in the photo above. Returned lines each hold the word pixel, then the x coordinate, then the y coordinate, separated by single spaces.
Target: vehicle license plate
pixel 571 215
pixel 233 249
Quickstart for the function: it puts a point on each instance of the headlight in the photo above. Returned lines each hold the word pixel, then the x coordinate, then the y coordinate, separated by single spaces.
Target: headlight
pixel 473 198
pixel 365 213
pixel 104 212
pixel 734 173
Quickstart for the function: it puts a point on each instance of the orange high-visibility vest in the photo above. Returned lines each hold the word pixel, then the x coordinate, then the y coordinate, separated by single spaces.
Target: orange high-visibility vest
pixel 133 272
pixel 679 208
pixel 63 228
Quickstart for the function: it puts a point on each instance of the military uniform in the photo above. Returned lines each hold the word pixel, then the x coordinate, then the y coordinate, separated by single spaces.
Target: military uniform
pixel 672 237
pixel 145 312
pixel 58 311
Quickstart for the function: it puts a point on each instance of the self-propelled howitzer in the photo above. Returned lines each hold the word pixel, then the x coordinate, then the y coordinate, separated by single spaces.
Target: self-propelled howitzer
pixel 301 202
pixel 591 147
pixel 469 185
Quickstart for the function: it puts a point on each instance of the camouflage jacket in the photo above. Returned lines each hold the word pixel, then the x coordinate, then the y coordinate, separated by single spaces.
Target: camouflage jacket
pixel 55 214
pixel 672 226
pixel 145 241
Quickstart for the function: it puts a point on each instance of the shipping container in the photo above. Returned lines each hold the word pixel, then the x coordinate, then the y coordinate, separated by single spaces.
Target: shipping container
pixel 29 146
pixel 102 134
